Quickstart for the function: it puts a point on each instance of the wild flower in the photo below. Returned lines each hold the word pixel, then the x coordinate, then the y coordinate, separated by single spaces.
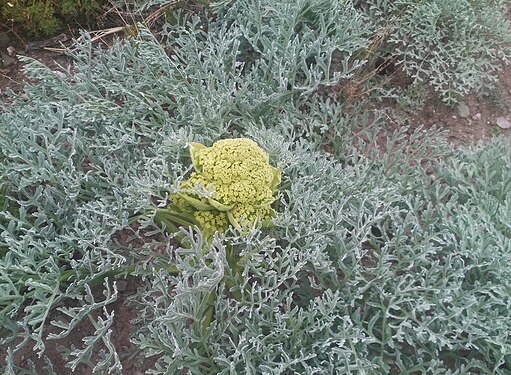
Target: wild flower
pixel 240 179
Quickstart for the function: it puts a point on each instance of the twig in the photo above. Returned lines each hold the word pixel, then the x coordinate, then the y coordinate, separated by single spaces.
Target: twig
pixel 100 34
pixel 157 13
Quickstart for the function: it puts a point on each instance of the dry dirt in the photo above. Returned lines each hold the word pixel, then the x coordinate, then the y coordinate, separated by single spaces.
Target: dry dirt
pixel 479 124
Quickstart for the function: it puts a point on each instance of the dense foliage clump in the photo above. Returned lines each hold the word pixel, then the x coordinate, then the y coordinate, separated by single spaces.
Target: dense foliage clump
pixel 455 47
pixel 45 17
pixel 384 257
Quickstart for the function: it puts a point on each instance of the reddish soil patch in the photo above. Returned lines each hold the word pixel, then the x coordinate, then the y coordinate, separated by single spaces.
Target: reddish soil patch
pixel 482 120
pixel 12 77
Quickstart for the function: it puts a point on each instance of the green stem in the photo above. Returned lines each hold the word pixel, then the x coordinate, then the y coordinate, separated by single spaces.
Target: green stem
pixel 174 216
pixel 232 260
pixel 210 309
pixel 384 330
pixel 172 269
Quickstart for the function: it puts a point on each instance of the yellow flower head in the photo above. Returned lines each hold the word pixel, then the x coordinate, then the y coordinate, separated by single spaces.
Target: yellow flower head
pixel 242 182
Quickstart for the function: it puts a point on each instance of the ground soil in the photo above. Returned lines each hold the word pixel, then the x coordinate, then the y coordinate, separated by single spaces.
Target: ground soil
pixel 479 124
pixel 482 121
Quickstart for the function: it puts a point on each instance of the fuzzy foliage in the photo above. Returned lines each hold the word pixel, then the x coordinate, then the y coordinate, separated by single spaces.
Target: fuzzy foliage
pixel 454 46
pixel 383 259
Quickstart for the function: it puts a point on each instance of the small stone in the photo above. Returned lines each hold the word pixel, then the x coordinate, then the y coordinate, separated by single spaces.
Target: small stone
pixel 121 285
pixel 11 51
pixel 463 110
pixel 6 60
pixel 477 116
pixel 455 117
pixel 60 74
pixel 503 123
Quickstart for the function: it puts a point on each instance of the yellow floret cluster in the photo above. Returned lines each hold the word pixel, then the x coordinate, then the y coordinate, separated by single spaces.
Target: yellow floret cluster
pixel 211 221
pixel 240 179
